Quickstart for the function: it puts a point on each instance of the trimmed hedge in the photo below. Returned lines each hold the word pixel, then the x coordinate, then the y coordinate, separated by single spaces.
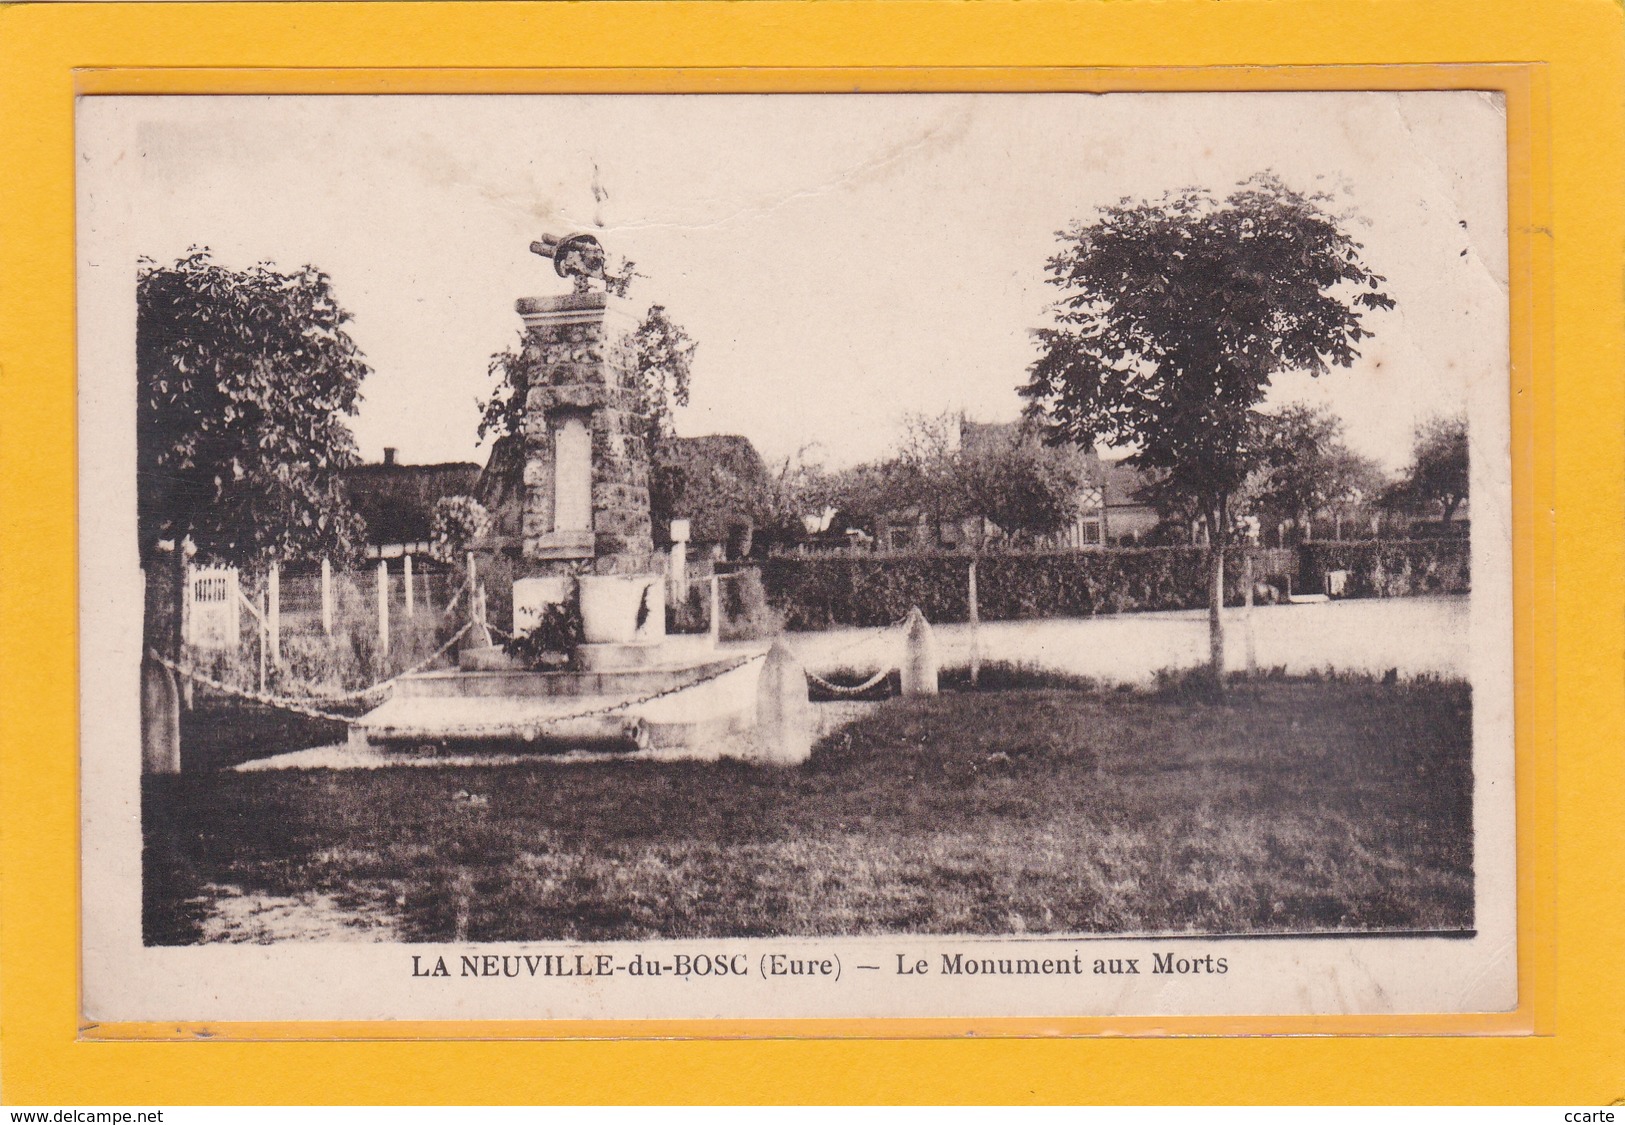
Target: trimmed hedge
pixel 1390 568
pixel 813 592
pixel 822 592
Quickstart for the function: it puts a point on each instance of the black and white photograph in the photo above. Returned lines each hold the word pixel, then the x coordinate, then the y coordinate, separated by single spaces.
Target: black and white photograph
pixel 772 556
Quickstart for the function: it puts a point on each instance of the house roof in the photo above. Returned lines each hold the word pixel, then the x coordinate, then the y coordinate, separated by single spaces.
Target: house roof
pixel 1120 484
pixel 732 452
pixel 716 481
pixel 397 501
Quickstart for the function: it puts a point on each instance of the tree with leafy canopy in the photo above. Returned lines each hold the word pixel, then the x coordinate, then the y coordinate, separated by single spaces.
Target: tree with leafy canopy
pixel 1176 315
pixel 1026 488
pixel 664 362
pixel 1308 468
pixel 1437 477
pixel 244 380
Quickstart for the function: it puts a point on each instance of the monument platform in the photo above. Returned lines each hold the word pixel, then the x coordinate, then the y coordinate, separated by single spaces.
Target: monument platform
pixel 674 704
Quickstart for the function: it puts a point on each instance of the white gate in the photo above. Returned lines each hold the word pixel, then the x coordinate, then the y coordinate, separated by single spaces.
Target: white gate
pixel 212 607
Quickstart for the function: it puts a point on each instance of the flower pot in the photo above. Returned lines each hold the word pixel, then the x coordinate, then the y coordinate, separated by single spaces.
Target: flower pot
pixel 610 605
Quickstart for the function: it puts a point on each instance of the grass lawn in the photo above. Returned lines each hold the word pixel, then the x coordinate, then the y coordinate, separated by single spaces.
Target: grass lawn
pixel 1290 806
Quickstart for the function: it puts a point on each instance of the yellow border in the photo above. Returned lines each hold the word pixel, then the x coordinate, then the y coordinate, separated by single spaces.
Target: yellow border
pixel 1566 152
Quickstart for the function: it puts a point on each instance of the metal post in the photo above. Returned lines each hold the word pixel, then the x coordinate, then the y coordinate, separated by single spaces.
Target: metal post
pixel 327 597
pixel 383 607
pixel 406 566
pixel 975 630
pixel 273 616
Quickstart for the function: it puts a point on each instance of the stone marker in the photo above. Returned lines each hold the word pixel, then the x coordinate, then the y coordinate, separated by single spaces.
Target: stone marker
pixel 160 719
pixel 919 656
pixel 783 712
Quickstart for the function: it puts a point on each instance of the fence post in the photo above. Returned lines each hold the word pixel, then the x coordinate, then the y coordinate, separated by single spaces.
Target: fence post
pixel 383 607
pixel 677 574
pixel 186 608
pixel 327 597
pixel 406 576
pixel 975 630
pixel 273 615
pixel 716 608
pixel 187 627
pixel 1247 613
pixel 265 629
pixel 480 635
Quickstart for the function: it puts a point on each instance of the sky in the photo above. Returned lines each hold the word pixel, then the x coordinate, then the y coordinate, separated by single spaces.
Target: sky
pixel 842 260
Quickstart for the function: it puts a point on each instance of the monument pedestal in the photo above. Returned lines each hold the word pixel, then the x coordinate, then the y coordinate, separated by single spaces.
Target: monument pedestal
pixel 683 705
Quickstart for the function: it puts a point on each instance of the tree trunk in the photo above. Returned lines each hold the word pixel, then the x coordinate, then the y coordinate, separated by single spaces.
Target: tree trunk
pixel 1215 595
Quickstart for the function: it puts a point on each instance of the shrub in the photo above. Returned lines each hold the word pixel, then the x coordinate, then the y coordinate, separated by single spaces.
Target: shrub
pixel 691 611
pixel 746 614
pixel 459 522
pixel 553 641
pixel 866 591
pixel 1390 568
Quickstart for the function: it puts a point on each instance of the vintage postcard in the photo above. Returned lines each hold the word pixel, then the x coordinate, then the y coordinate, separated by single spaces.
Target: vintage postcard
pixel 631 557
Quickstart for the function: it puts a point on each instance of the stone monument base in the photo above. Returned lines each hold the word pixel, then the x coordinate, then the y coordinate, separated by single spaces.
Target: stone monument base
pixel 638 697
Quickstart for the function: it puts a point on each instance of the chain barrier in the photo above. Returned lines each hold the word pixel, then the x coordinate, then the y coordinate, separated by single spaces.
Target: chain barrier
pixel 453 733
pixel 301 706
pixel 418 667
pixel 268 700
pixel 455 598
pixel 873 681
pixel 836 689
pixel 610 709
